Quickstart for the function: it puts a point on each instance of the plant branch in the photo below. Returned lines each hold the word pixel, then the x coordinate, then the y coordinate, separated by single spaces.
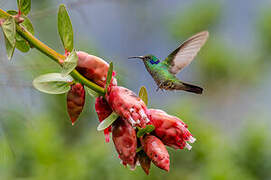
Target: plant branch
pixel 52 54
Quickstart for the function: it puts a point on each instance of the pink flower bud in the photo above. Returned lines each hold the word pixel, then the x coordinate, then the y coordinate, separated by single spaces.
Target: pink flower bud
pixel 103 110
pixel 93 68
pixel 145 161
pixel 170 129
pixel 124 137
pixel 75 101
pixel 156 151
pixel 128 105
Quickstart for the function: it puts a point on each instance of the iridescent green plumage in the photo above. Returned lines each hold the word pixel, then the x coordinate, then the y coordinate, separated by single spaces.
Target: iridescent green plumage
pixel 164 72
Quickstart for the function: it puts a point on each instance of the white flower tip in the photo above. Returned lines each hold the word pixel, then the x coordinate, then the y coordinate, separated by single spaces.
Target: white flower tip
pixel 142 113
pixel 131 120
pixel 144 116
pixel 188 146
pixel 180 124
pixel 192 139
pixel 147 120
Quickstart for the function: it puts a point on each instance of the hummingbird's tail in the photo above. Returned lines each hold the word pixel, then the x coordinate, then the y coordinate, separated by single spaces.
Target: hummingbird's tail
pixel 189 88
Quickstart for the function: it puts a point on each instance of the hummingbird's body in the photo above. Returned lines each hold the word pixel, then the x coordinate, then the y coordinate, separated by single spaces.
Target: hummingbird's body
pixel 159 71
pixel 164 72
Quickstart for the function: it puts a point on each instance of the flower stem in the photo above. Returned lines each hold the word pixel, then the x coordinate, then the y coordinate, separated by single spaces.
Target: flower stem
pixel 52 54
pixel 3 14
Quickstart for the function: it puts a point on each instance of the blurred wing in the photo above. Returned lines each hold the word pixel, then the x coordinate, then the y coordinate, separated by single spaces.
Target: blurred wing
pixel 186 52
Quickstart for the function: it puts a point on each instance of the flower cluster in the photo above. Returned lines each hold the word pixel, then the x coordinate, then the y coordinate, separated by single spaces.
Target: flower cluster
pixel 140 134
pixel 133 116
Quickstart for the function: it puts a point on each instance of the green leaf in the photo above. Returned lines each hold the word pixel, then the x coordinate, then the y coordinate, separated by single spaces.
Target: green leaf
pixel 69 64
pixel 24 6
pixel 142 131
pixel 26 23
pixel 139 149
pixel 143 94
pixel 109 76
pixel 9 29
pixel 108 121
pixel 21 43
pixel 91 92
pixel 65 28
pixel 53 83
pixel 9 48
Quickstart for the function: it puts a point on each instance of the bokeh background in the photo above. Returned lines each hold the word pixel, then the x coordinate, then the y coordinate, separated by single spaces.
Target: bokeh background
pixel 231 120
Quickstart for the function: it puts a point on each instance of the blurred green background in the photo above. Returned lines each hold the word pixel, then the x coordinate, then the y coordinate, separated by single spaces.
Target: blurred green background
pixel 231 120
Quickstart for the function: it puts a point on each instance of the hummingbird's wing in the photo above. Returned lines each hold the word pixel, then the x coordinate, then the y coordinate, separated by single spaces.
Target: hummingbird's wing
pixel 186 52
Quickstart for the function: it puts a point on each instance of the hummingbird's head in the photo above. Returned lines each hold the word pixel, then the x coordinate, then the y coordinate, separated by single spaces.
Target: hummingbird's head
pixel 148 58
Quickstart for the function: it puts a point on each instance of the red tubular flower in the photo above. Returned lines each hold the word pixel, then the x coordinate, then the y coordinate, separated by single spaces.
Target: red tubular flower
pixel 93 68
pixel 103 110
pixel 156 151
pixel 170 129
pixel 75 101
pixel 128 105
pixel 124 137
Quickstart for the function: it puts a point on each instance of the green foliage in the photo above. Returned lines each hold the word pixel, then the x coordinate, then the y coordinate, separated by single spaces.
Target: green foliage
pixel 26 23
pixel 21 43
pixel 264 28
pixel 65 28
pixel 9 48
pixel 69 64
pixel 195 18
pixel 142 131
pixel 53 83
pixel 108 121
pixel 9 30
pixel 24 6
pixel 91 92
pixel 109 76
pixel 143 94
pixel 220 63
pixel 253 152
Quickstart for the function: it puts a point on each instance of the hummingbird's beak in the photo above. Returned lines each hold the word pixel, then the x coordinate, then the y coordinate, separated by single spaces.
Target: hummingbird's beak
pixel 139 57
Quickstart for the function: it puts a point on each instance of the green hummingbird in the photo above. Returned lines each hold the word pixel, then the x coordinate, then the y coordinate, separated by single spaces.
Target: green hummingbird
pixel 164 73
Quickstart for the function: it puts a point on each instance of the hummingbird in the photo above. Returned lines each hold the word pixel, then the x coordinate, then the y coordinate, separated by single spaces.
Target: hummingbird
pixel 164 72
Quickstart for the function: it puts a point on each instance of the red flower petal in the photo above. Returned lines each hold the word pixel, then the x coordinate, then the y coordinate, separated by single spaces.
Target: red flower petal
pixel 128 105
pixel 103 111
pixel 170 129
